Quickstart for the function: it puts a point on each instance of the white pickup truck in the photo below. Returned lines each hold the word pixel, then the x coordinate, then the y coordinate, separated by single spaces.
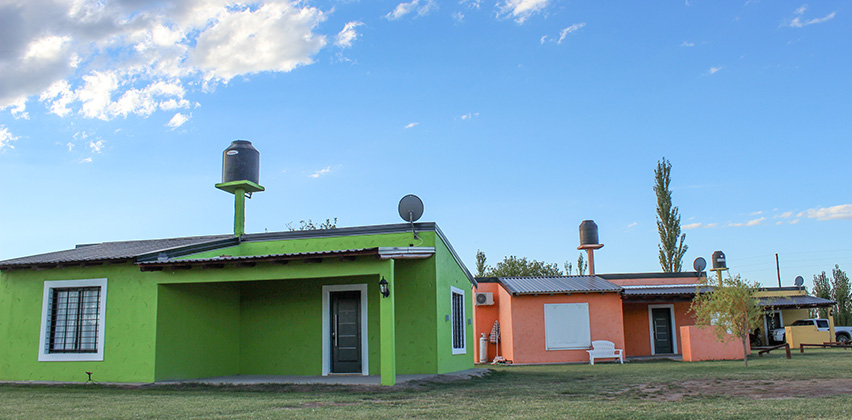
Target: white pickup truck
pixel 841 334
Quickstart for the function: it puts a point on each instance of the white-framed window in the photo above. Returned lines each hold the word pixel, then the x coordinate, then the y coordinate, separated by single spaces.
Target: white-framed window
pixel 457 317
pixel 72 320
pixel 566 326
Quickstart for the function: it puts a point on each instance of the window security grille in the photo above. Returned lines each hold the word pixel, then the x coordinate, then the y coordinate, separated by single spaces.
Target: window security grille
pixel 73 320
pixel 458 321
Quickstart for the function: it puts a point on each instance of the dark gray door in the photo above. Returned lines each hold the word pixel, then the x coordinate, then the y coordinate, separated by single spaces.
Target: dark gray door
pixel 662 330
pixel 346 332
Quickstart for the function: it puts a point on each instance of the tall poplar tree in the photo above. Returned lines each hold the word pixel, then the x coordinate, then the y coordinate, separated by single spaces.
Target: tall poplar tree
pixel 671 244
pixel 822 289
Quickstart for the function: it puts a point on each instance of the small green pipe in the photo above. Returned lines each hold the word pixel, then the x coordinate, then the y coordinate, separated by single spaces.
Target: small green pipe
pixel 239 212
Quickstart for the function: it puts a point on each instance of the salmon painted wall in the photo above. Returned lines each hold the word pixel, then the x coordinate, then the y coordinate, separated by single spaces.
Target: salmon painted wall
pixel 701 343
pixel 529 335
pixel 484 317
pixel 637 326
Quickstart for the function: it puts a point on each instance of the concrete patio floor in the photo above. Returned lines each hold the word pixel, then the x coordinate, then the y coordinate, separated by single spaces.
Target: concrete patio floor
pixel 330 379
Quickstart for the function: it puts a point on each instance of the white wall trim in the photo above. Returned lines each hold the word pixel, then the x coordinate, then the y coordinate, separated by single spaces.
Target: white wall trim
pixel 462 350
pixel 43 354
pixel 651 325
pixel 326 325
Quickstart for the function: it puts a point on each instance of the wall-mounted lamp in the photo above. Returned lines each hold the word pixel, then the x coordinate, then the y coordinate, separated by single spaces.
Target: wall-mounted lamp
pixel 383 287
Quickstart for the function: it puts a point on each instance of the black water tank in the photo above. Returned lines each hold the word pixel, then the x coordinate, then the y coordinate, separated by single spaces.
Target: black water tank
pixel 719 260
pixel 588 233
pixel 241 162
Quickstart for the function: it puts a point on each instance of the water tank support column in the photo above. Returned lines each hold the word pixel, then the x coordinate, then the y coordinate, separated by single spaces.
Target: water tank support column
pixel 239 212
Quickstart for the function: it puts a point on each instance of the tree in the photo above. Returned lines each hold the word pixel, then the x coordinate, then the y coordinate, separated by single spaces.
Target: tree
pixel 581 265
pixel 841 294
pixel 513 266
pixel 731 308
pixel 310 225
pixel 822 289
pixel 668 221
pixel 481 267
pixel 568 268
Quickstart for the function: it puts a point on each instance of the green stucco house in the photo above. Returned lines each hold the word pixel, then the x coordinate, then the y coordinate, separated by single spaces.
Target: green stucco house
pixel 371 300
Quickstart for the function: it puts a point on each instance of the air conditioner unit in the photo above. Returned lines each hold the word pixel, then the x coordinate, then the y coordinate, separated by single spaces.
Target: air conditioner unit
pixel 484 298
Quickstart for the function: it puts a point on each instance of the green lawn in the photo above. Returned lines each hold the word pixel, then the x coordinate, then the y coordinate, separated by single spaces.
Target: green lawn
pixel 817 384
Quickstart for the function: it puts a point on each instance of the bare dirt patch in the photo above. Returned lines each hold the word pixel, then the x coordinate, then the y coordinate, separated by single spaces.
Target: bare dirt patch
pixel 755 389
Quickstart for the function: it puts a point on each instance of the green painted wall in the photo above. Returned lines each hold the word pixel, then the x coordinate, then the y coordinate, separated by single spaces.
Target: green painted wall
pixel 198 330
pixel 265 319
pixel 450 274
pixel 415 316
pixel 281 323
pixel 130 326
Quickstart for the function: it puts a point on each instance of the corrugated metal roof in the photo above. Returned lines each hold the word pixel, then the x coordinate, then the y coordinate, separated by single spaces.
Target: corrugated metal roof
pixel 566 284
pixel 665 290
pixel 798 301
pixel 106 251
pixel 260 258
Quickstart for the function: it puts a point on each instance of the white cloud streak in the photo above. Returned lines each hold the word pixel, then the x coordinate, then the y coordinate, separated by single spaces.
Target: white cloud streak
pixel 687 44
pixel 798 21
pixel 422 8
pixel 411 125
pixel 841 212
pixel 108 59
pixel 469 115
pixel 714 70
pixel 520 10
pixel 569 30
pixel 347 35
pixel 178 120
pixel 320 172
pixel 6 138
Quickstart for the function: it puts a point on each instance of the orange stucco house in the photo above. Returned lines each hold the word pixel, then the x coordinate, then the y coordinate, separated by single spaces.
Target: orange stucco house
pixel 555 319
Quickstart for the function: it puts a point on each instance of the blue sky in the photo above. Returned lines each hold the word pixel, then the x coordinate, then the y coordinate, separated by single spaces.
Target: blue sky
pixel 513 120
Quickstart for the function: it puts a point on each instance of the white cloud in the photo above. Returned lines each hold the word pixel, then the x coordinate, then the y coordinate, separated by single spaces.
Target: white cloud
pixel 753 222
pixel 843 211
pixel 411 125
pixel 70 146
pixel 6 138
pixel 632 225
pixel 520 10
pixel 472 4
pixel 86 160
pixel 543 39
pixel 320 172
pixel 571 29
pixel 96 146
pixel 687 44
pixel 469 115
pixel 756 213
pixel 693 226
pixel 458 17
pixel 105 59
pixel 178 120
pixel 347 35
pixel 714 70
pixel 422 8
pixel 795 221
pixel 785 215
pixel 799 22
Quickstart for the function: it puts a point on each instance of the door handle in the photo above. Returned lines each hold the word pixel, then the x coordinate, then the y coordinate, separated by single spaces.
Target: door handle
pixel 334 330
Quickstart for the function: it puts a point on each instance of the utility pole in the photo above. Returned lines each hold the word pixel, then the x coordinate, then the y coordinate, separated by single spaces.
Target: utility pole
pixel 778 269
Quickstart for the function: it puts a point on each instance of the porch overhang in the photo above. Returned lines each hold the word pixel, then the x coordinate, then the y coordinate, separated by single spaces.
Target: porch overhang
pixel 662 293
pixel 794 302
pixel 382 253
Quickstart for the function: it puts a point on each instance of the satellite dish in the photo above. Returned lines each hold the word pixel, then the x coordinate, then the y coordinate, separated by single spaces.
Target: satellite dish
pixel 799 281
pixel 410 208
pixel 699 264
